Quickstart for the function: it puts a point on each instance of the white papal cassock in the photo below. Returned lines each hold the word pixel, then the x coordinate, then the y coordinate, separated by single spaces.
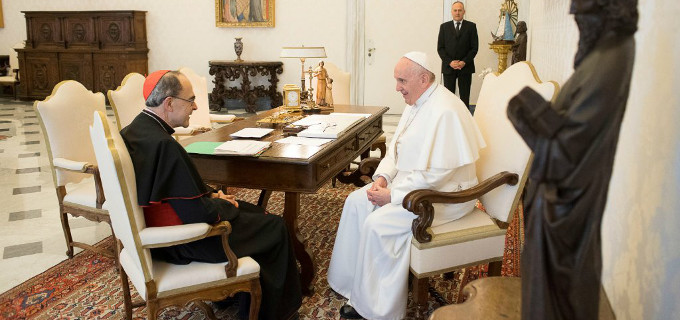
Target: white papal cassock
pixel 434 146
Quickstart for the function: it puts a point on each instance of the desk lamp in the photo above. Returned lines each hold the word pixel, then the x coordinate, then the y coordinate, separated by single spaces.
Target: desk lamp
pixel 303 53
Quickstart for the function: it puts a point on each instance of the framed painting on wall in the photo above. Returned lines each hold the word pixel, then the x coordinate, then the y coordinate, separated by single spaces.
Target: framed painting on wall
pixel 244 13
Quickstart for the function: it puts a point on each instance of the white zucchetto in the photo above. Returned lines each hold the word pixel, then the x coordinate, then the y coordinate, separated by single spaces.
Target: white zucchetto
pixel 421 59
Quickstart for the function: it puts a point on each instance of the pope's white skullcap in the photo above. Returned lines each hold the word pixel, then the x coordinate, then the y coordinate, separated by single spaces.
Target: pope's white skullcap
pixel 421 59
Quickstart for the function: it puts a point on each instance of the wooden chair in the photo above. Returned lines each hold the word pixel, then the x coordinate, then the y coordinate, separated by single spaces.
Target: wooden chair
pixel 127 101
pixel 478 237
pixel 159 283
pixel 64 117
pixel 12 77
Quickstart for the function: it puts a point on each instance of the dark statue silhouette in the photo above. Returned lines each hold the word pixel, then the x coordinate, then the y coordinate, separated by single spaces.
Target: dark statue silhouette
pixel 574 141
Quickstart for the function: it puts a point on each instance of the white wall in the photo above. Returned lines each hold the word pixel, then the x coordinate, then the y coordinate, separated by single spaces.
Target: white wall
pixel 641 243
pixel 183 33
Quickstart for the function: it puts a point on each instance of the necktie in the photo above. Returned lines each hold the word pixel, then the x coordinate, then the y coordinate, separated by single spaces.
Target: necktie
pixel 458 26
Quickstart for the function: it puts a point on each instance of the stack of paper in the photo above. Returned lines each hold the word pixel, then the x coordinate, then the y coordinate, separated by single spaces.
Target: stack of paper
pixel 329 126
pixel 242 147
pixel 251 133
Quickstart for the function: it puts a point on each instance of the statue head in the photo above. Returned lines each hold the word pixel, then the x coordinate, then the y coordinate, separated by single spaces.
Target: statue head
pixel 600 18
pixel 521 27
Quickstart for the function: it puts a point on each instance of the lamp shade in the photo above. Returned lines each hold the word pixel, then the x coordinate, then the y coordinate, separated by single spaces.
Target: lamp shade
pixel 303 52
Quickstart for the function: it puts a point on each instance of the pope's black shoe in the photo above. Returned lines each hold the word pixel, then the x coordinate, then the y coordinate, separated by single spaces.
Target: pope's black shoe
pixel 348 312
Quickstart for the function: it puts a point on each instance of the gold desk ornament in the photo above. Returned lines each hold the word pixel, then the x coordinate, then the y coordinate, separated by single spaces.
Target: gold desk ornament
pixel 502 48
pixel 291 97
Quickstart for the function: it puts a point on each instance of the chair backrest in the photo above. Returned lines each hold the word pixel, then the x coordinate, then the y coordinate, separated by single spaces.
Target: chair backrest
pixel 120 188
pixel 65 116
pixel 505 150
pixel 341 83
pixel 201 116
pixel 127 101
pixel 14 58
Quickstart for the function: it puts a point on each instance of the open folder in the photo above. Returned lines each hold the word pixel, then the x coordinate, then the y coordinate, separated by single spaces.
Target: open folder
pixel 329 126
pixel 232 147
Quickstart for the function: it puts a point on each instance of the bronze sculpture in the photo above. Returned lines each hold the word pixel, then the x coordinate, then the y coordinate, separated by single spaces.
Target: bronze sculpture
pixel 519 48
pixel 574 141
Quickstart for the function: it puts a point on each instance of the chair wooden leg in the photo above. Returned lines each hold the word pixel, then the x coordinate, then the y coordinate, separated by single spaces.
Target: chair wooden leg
pixel 67 232
pixel 127 300
pixel 419 291
pixel 495 268
pixel 151 310
pixel 463 282
pixel 255 298
pixel 206 309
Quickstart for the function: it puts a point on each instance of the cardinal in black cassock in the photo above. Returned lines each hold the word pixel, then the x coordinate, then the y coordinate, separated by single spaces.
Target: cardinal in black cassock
pixel 171 192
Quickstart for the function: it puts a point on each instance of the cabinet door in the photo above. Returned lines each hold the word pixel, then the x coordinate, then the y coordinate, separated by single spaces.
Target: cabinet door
pixel 109 71
pixel 44 31
pixel 79 33
pixel 42 73
pixel 78 67
pixel 114 32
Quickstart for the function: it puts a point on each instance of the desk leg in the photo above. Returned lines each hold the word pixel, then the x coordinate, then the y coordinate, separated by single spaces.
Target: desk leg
pixel 303 255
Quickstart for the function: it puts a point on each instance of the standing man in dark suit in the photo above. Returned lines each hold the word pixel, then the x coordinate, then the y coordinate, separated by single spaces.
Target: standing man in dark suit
pixel 457 47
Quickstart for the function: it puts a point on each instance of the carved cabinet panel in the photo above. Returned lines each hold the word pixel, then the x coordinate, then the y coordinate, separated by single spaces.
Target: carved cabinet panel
pixel 95 48
pixel 76 66
pixel 42 73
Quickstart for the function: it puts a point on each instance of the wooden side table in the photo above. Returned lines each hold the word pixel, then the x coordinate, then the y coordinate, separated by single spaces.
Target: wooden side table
pixel 232 70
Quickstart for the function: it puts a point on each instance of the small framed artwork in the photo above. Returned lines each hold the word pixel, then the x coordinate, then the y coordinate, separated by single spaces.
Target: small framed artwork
pixel 244 13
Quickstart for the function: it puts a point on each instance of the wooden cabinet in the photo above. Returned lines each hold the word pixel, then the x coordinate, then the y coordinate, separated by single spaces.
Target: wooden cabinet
pixel 95 48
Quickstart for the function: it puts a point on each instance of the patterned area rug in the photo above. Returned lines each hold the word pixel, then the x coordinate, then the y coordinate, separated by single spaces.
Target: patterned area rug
pixel 88 286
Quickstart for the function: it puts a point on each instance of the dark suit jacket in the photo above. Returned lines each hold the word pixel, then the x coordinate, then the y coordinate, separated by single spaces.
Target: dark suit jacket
pixel 461 46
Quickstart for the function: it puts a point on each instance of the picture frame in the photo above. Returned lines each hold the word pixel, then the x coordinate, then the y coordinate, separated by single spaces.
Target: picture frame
pixel 244 13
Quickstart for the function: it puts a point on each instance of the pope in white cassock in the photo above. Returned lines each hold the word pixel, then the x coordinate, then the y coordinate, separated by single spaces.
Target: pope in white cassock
pixel 435 146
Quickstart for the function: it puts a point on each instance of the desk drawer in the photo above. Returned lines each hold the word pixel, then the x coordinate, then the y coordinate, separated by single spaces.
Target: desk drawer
pixel 367 135
pixel 332 163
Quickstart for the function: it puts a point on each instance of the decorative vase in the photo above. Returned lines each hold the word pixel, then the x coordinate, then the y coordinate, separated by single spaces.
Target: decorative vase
pixel 238 47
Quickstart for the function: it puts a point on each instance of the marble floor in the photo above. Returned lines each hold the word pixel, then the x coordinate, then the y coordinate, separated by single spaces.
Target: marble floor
pixel 31 237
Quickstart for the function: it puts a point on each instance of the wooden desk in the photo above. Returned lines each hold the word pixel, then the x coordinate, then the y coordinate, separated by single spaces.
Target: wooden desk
pixel 294 169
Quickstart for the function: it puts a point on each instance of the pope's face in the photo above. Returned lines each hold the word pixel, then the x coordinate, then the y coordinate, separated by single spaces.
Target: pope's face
pixel 181 107
pixel 409 83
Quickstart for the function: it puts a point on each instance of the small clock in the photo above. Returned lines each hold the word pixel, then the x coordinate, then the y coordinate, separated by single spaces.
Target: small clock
pixel 291 96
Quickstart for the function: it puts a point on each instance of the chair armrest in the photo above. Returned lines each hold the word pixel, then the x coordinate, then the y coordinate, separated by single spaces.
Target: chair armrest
pixel 70 165
pixel 159 237
pixel 84 167
pixel 222 118
pixel 368 166
pixel 420 201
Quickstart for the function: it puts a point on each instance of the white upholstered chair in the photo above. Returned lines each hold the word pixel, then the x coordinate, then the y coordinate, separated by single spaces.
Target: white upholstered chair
pixel 162 284
pixel 341 83
pixel 12 77
pixel 478 237
pixel 64 117
pixel 201 119
pixel 127 101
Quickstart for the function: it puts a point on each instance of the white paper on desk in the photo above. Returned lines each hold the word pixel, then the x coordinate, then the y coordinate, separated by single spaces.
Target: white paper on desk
pixel 364 115
pixel 251 133
pixel 242 147
pixel 326 125
pixel 304 141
